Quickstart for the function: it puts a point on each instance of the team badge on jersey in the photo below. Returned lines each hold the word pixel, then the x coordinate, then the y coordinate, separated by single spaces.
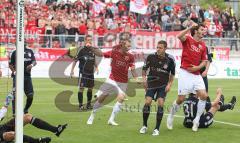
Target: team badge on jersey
pixel 29 54
pixel 200 46
pixel 165 66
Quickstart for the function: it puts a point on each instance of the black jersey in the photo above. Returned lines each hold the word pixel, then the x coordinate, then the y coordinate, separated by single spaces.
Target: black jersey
pixel 29 58
pixel 159 69
pixel 86 60
pixel 190 108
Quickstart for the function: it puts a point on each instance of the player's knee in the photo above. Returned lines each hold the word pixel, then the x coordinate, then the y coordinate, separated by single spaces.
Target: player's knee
pixel 27 118
pixel 89 90
pixel 180 100
pixel 148 101
pixel 120 97
pixel 8 136
pixel 81 89
pixel 101 98
pixel 202 94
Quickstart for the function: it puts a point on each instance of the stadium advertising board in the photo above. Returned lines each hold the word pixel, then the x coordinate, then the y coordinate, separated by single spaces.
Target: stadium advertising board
pixel 221 67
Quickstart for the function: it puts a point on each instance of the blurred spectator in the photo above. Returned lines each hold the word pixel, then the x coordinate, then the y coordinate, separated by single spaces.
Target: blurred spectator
pixel 234 34
pixel 61 31
pixel 80 17
pixel 101 30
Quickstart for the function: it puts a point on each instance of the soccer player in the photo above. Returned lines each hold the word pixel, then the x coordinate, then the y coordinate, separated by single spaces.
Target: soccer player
pixel 158 82
pixel 0 71
pixel 122 60
pixel 194 57
pixel 7 130
pixel 29 63
pixel 204 72
pixel 206 119
pixel 86 59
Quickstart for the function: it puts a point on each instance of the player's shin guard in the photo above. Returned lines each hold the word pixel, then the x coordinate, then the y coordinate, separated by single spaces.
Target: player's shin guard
pixel 80 98
pixel 89 97
pixel 28 103
pixel 159 117
pixel 200 109
pixel 175 107
pixel 96 106
pixel 116 109
pixel 146 112
pixel 43 125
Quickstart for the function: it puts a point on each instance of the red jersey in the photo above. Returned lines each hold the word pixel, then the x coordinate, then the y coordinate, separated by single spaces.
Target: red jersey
pixel 120 64
pixel 193 53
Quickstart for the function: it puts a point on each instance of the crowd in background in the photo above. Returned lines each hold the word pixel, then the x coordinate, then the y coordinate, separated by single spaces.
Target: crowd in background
pixel 79 17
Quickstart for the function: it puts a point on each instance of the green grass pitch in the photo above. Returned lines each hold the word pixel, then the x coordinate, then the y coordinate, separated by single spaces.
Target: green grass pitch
pixel 130 119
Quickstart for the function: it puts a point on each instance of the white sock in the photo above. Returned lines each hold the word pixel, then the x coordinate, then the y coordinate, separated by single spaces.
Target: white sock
pixel 116 109
pixel 175 107
pixel 96 106
pixel 200 109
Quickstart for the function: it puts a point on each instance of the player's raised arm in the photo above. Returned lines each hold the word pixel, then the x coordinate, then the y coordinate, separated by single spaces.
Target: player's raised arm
pixel 182 35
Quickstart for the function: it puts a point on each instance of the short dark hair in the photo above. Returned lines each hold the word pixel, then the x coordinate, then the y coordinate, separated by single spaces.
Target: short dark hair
pixel 163 42
pixel 87 36
pixel 196 28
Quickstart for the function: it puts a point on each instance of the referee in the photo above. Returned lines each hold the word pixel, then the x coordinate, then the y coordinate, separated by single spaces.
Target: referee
pixel 157 83
pixel 29 63
pixel 86 59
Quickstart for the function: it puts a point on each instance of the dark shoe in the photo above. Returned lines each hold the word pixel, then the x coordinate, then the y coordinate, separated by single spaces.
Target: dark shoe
pixel 60 129
pixel 45 140
pixel 233 102
pixel 81 108
pixel 221 102
pixel 89 106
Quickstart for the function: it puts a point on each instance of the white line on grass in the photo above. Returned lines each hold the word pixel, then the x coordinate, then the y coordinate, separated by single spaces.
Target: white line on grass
pixel 179 116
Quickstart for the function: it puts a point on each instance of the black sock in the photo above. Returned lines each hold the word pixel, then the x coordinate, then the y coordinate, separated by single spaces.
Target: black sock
pixel 208 99
pixel 13 106
pixel 43 125
pixel 224 107
pixel 28 103
pixel 146 112
pixel 159 117
pixel 89 97
pixel 80 98
pixel 29 139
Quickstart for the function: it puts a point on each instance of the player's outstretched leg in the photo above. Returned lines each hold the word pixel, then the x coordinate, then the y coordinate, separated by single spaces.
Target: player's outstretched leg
pixel 41 124
pixel 96 106
pixel 175 107
pixel 146 113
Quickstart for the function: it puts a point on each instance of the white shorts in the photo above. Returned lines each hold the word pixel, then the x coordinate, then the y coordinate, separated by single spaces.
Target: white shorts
pixel 189 83
pixel 110 87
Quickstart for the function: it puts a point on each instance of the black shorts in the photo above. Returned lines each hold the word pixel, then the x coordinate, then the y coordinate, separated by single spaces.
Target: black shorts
pixel 86 80
pixel 156 93
pixel 28 86
pixel 205 121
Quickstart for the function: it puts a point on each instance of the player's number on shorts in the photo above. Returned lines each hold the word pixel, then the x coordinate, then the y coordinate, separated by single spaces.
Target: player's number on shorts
pixel 188 111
